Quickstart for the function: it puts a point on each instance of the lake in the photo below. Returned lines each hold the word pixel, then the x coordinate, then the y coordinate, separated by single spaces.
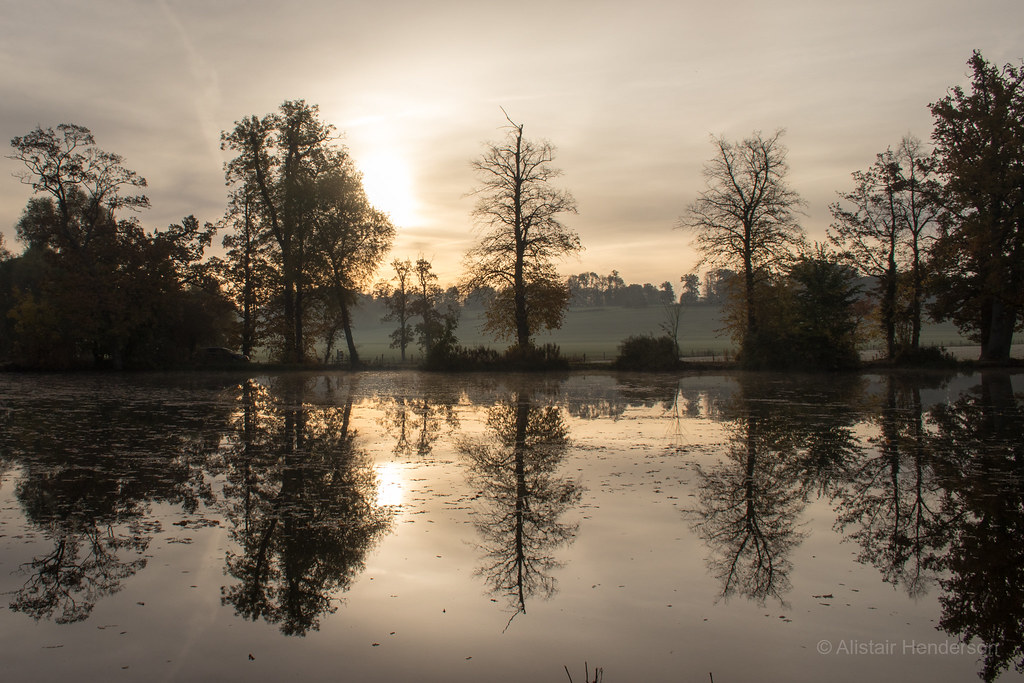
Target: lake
pixel 400 526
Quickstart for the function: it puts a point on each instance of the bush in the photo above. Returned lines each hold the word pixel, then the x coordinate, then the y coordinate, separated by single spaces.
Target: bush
pixel 927 356
pixel 535 358
pixel 646 352
pixel 461 359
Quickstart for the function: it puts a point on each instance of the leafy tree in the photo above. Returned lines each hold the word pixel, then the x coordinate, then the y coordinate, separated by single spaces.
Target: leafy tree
pixel 717 283
pixel 825 320
pixel 979 256
pixel 102 286
pixel 521 236
pixel 747 216
pixel 397 301
pixel 436 327
pixel 691 289
pixel 308 196
pixel 881 224
pixel 277 159
pixel 83 182
pixel 351 238
pixel 247 271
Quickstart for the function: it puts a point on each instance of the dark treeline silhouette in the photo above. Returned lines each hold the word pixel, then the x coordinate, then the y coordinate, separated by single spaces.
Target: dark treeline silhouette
pixel 591 289
pixel 935 232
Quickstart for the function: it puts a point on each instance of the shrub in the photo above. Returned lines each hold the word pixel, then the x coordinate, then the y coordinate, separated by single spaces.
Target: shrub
pixel 927 356
pixel 461 359
pixel 646 352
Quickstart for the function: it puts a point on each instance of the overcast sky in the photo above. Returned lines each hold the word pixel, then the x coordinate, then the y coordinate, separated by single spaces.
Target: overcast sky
pixel 628 92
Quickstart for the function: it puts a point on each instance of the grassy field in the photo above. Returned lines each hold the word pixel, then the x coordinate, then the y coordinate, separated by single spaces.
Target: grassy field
pixel 597 332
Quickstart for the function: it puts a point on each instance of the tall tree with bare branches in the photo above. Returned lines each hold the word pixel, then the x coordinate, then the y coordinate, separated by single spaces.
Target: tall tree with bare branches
pixel 747 217
pixel 521 236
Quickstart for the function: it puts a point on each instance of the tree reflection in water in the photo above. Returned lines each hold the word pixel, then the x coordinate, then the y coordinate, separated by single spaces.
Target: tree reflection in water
pixel 890 501
pixel 779 453
pixel 88 487
pixel 417 419
pixel 301 499
pixel 520 524
pixel 979 449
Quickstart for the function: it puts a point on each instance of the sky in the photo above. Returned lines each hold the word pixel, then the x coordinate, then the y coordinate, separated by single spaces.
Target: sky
pixel 630 94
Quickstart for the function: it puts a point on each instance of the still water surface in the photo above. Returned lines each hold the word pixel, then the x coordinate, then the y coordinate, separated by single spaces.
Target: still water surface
pixel 405 526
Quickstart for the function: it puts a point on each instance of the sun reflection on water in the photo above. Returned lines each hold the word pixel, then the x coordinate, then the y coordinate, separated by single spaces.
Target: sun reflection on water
pixel 390 485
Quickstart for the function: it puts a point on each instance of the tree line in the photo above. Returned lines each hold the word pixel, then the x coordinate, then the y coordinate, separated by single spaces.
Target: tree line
pixel 938 232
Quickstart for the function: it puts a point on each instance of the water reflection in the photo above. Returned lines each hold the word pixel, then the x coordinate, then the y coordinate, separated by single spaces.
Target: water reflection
pixel 782 449
pixel 515 469
pixel 979 435
pixel 928 490
pixel 890 501
pixel 87 482
pixel 300 497
pixel 417 419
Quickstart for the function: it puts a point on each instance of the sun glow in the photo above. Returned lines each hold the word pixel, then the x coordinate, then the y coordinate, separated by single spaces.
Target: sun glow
pixel 387 180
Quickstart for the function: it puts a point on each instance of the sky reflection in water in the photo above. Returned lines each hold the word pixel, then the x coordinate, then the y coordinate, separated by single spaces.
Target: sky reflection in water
pixel 410 526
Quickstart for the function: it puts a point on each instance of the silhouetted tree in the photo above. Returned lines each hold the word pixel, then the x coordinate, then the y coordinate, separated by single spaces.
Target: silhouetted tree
pixel 350 238
pixel 979 256
pixel 425 305
pixel 106 288
pixel 247 271
pixel 824 326
pixel 747 216
pixel 882 223
pixel 277 159
pixel 397 301
pixel 521 237
pixel 691 289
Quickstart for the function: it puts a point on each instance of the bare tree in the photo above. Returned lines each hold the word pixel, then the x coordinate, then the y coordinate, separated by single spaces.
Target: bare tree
pixel 747 216
pixel 520 236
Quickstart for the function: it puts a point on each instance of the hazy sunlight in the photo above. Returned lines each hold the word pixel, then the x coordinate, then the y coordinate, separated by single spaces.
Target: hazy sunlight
pixel 387 180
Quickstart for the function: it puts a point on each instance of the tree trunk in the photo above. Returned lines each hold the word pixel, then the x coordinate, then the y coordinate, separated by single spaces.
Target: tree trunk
pixel 300 351
pixel 996 344
pixel 748 282
pixel 289 355
pixel 346 324
pixel 522 324
pixel 917 287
